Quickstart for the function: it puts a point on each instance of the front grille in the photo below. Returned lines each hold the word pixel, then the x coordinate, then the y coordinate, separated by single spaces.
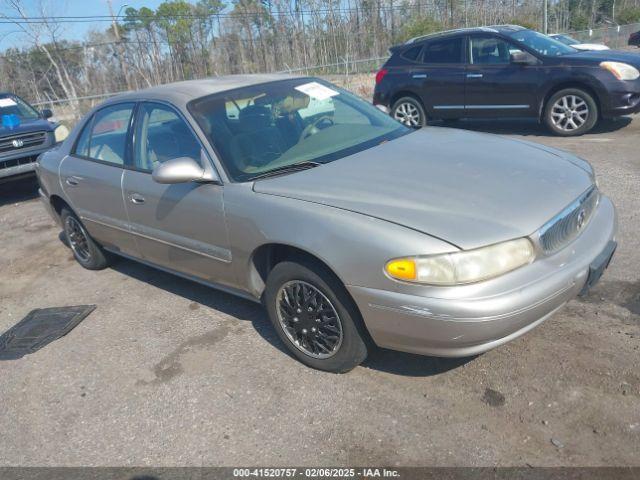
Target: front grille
pixel 568 224
pixel 17 161
pixel 15 143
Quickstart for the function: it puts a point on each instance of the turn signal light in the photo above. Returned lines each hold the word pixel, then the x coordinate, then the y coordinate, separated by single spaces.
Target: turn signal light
pixel 402 269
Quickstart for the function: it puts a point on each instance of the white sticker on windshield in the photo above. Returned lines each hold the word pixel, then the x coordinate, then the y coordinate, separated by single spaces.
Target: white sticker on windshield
pixel 7 102
pixel 317 90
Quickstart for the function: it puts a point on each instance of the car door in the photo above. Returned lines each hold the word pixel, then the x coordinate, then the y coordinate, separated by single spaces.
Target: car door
pixel 495 86
pixel 180 227
pixel 439 76
pixel 91 177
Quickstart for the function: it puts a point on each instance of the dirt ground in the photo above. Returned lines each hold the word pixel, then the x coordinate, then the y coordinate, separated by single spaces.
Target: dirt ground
pixel 167 372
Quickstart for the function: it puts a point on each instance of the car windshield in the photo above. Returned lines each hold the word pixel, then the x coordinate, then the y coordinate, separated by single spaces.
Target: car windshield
pixel 13 105
pixel 567 40
pixel 269 126
pixel 542 44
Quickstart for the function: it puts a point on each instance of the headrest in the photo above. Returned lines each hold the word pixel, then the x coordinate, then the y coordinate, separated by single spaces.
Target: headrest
pixel 254 117
pixel 488 47
pixel 293 103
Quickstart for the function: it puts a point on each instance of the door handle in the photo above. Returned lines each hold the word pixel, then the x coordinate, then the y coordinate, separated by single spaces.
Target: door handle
pixel 72 181
pixel 474 75
pixel 419 75
pixel 136 198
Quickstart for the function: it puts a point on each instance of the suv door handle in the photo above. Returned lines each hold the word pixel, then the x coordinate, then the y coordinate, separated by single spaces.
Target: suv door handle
pixel 136 198
pixel 474 75
pixel 72 181
pixel 419 75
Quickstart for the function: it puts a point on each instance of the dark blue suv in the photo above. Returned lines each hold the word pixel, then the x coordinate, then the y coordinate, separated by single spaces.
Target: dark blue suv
pixel 25 133
pixel 507 71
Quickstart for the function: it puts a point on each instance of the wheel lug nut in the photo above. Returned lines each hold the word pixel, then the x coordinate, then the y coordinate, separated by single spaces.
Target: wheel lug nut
pixel 299 310
pixel 317 320
pixel 313 329
pixel 295 319
pixel 304 330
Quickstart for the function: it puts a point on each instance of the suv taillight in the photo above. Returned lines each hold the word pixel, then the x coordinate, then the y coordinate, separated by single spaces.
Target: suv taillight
pixel 380 75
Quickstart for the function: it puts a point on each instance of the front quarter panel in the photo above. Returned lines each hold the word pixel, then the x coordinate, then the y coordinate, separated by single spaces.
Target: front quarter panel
pixel 355 246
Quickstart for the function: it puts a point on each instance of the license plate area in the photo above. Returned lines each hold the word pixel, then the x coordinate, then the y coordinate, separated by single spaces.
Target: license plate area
pixel 598 266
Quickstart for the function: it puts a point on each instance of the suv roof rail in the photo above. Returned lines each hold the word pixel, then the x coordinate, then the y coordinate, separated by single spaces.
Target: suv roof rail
pixel 449 32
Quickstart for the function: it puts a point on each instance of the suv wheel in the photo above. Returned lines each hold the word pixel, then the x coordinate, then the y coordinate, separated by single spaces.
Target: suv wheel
pixel 315 317
pixel 409 112
pixel 85 250
pixel 571 112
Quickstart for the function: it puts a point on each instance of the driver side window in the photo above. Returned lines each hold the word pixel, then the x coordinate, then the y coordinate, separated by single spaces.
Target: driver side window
pixel 491 51
pixel 161 135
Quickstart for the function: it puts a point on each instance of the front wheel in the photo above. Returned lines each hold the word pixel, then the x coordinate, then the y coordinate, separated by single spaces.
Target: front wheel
pixel 571 112
pixel 409 112
pixel 315 317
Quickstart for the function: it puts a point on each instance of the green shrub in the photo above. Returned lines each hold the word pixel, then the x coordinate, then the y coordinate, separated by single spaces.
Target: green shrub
pixel 628 15
pixel 420 26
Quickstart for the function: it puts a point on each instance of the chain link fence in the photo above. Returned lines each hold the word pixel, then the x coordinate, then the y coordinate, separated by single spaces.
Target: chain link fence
pixel 615 36
pixel 356 75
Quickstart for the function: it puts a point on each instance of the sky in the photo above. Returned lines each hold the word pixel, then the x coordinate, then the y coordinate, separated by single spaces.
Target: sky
pixel 10 37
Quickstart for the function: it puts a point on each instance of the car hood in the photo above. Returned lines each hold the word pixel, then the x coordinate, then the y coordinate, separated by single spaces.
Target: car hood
pixel 466 188
pixel 597 56
pixel 27 126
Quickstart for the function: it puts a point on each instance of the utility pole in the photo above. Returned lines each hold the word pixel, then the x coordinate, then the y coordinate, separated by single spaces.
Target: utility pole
pixel 116 32
pixel 545 9
pixel 613 11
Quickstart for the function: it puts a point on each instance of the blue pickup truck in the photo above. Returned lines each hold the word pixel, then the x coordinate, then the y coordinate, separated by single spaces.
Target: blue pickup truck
pixel 25 133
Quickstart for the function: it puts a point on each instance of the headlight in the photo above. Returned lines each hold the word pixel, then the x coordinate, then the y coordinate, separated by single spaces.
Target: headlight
pixel 622 71
pixel 60 133
pixel 465 266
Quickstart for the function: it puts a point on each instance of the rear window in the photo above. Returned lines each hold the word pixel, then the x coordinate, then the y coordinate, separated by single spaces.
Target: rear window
pixel 443 51
pixel 412 54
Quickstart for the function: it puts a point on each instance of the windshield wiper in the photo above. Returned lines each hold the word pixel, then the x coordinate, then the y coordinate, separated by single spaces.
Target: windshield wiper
pixel 294 167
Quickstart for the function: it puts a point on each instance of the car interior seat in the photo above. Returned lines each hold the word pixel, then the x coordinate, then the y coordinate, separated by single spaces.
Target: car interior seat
pixel 259 141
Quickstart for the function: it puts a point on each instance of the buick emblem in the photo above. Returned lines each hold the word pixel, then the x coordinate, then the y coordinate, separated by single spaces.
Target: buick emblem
pixel 581 218
pixel 17 143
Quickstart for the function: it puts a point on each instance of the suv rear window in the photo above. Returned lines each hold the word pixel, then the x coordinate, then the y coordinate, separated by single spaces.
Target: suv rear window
pixel 443 51
pixel 412 54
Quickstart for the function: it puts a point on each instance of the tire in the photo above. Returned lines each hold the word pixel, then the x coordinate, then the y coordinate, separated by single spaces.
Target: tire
pixel 325 291
pixel 562 113
pixel 85 249
pixel 409 112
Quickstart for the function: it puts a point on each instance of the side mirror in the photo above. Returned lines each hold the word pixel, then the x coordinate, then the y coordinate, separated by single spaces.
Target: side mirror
pixel 47 113
pixel 179 170
pixel 523 58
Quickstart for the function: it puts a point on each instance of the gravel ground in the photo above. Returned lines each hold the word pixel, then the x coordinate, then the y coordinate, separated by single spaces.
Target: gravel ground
pixel 166 372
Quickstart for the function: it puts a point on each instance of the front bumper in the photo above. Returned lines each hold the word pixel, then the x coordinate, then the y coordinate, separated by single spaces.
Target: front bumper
pixel 21 163
pixel 482 318
pixel 623 98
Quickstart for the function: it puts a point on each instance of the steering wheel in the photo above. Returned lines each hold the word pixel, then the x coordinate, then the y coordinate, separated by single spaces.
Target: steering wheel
pixel 316 126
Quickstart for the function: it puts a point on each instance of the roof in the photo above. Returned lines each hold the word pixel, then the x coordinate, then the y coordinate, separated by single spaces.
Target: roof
pixel 180 93
pixel 489 29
